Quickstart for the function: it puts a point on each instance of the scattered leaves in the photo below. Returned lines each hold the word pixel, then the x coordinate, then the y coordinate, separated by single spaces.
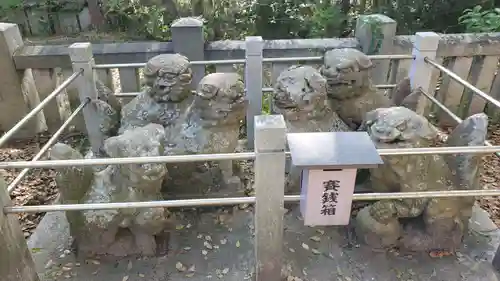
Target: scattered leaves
pixel 305 246
pixel 125 278
pixel 238 244
pixel 207 245
pixel 180 267
pixel 316 251
pixel 315 238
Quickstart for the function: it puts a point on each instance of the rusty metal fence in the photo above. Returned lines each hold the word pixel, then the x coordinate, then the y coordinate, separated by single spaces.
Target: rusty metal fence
pixel 266 133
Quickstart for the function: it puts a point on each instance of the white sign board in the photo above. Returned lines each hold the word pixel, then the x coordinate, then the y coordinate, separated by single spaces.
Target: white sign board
pixel 326 196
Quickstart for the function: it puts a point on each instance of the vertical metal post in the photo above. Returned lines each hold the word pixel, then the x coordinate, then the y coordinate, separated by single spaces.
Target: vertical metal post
pixel 426 45
pixel 253 82
pixel 188 39
pixel 82 59
pixel 16 263
pixel 270 135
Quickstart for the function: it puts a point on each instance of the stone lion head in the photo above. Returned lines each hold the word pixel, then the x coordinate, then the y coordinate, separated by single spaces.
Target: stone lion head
pixel 398 126
pixel 144 141
pixel 347 72
pixel 220 97
pixel 300 90
pixel 169 77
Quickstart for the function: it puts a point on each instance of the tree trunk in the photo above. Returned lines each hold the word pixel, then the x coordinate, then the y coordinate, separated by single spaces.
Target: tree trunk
pixel 96 17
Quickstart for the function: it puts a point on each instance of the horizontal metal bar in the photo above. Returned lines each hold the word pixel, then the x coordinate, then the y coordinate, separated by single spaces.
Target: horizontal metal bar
pixel 130 160
pixel 38 108
pixel 292 59
pixel 134 94
pixel 120 65
pixel 439 150
pixel 320 58
pixel 242 61
pixel 217 62
pixel 463 82
pixel 230 156
pixel 127 95
pixel 391 57
pixel 132 205
pixel 380 86
pixel 140 65
pixel 47 145
pixel 239 200
pixel 386 86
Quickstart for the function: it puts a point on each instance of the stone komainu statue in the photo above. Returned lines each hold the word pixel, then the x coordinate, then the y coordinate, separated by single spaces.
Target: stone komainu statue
pixel 439 223
pixel 117 232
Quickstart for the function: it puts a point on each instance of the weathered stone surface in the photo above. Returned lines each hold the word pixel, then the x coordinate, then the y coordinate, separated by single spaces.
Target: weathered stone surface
pixel 105 94
pixel 438 223
pixel 349 85
pixel 211 125
pixel 116 232
pixel 300 96
pixel 167 96
pixel 403 95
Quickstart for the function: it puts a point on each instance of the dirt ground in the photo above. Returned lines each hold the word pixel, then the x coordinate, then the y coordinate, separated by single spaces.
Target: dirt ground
pixel 38 186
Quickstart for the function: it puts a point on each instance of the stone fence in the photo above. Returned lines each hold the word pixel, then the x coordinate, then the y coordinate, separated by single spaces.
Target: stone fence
pixel 33 72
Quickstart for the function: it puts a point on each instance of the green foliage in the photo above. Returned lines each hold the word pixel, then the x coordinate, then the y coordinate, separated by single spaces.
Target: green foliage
pixel 133 17
pixel 375 27
pixel 424 15
pixel 479 20
pixel 296 19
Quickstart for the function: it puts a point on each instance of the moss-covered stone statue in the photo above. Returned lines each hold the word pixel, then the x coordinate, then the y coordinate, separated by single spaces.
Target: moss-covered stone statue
pixel 434 223
pixel 300 96
pixel 167 94
pixel 210 125
pixel 117 232
pixel 349 85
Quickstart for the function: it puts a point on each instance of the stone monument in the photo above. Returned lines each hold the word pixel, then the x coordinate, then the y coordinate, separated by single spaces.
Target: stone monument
pixel 117 232
pixel 166 97
pixel 210 125
pixel 422 224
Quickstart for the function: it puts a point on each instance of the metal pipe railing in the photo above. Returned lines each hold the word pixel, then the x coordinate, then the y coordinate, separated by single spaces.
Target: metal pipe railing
pixel 265 90
pixel 230 156
pixel 380 86
pixel 38 108
pixel 239 200
pixel 451 114
pixel 48 145
pixel 242 61
pixel 463 82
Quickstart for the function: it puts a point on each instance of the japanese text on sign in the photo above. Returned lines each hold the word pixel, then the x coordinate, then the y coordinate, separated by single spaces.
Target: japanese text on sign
pixel 329 197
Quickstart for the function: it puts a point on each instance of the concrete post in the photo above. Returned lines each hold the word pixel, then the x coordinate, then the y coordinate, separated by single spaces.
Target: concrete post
pixel 16 263
pixel 188 39
pixel 18 94
pixel 82 58
pixel 270 137
pixel 421 73
pixel 375 34
pixel 253 82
